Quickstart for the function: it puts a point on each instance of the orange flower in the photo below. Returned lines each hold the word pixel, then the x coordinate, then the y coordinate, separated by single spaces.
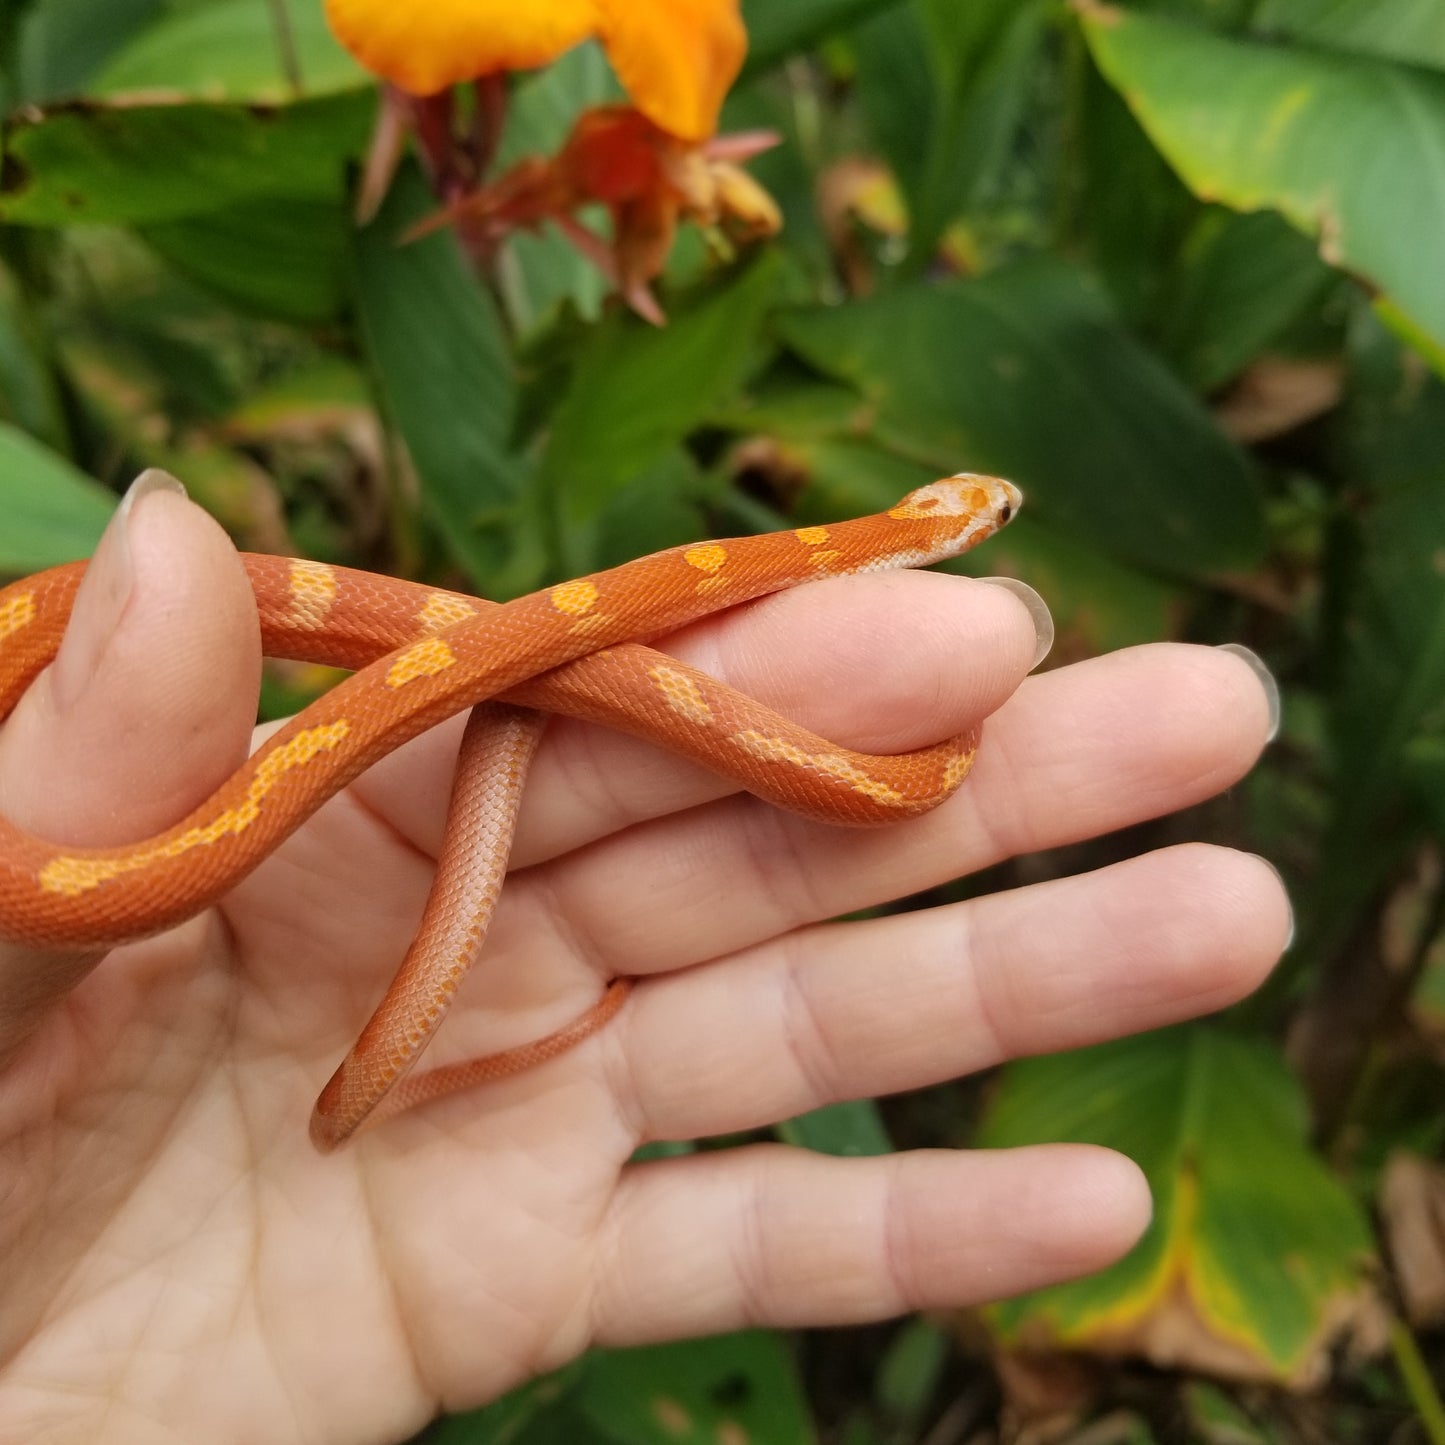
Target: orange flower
pixel 648 180
pixel 676 58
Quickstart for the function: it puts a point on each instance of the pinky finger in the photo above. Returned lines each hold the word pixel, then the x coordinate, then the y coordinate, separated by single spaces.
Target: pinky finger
pixel 769 1235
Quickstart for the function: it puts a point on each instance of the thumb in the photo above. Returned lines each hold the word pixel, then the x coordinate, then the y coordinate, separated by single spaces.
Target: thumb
pixel 147 706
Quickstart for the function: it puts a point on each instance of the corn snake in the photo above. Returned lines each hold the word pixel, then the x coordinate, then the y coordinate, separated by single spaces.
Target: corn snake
pixel 420 655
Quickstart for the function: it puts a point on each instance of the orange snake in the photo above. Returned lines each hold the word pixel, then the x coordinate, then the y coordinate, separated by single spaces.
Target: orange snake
pixel 421 655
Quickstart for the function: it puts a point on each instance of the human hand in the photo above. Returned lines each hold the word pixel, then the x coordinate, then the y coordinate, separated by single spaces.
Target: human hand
pixel 179 1262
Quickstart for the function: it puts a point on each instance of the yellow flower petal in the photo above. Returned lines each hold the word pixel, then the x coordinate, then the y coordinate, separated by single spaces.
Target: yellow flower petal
pixel 425 48
pixel 675 58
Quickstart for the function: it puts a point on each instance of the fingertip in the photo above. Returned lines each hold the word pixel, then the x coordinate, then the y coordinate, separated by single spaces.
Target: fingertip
pixel 153 699
pixel 1041 619
pixel 1085 1207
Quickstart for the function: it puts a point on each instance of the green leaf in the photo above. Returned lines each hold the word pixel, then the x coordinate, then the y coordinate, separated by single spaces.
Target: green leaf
pixel 64 42
pixel 234 50
pixel 1351 150
pixel 283 259
pixel 637 390
pixel 1389 653
pixel 780 28
pixel 658 509
pixel 909 1372
pixel 1392 688
pixel 1412 31
pixel 731 1387
pixel 1027 373
pixel 436 347
pixel 986 57
pixel 142 165
pixel 1239 283
pixel 852 1129
pixel 49 511
pixel 29 398
pixel 1132 210
pixel 1256 1254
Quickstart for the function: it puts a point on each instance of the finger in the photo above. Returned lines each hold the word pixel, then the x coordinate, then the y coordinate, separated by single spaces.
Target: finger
pixel 854 1010
pixel 147 706
pixel 881 663
pixel 773 1236
pixel 1074 753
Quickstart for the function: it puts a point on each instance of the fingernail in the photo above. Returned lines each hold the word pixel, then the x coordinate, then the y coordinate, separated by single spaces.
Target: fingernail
pixel 1266 680
pixel 102 596
pixel 1038 610
pixel 1289 937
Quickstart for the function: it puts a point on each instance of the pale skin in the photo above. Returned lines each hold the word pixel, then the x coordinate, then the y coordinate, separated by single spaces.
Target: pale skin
pixel 179 1264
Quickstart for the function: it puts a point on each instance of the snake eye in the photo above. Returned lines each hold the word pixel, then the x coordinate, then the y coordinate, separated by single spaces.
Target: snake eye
pixel 1005 512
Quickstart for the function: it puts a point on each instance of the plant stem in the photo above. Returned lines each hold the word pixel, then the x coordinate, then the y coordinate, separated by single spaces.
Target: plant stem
pixel 1415 1375
pixel 286 45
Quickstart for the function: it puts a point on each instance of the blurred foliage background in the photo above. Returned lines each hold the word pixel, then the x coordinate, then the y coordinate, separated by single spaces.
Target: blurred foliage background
pixel 1174 267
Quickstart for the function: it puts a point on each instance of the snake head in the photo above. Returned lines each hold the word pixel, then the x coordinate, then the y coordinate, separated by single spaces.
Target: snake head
pixel 978 506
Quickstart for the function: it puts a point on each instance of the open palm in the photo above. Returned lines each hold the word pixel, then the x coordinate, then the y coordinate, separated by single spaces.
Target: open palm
pixel 180 1264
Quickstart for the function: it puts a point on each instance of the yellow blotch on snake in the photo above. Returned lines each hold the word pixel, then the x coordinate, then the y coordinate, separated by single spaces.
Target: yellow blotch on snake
pixel 779 750
pixel 681 693
pixel 422 659
pixel 72 876
pixel 576 599
pixel 444 608
pixel 18 612
pixel 709 557
pixel 312 586
pixel 811 536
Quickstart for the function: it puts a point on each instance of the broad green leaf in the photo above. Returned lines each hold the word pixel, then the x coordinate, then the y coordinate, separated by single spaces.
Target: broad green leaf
pixel 1392 688
pixel 658 509
pixel 236 51
pixel 909 1373
pixel 284 259
pixel 851 1129
pixel 29 398
pixel 637 389
pixel 142 165
pixel 1128 211
pixel 1388 656
pixel 985 57
pixel 1239 281
pixel 1349 149
pixel 1256 1255
pixel 63 43
pixel 779 28
pixel 1412 31
pixel 1393 419
pixel 1026 373
pixel 731 1387
pixel 49 511
pixel 793 409
pixel 898 90
pixel 436 345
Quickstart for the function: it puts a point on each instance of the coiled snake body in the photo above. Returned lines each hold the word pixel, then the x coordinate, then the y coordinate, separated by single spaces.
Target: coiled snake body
pixel 420 656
